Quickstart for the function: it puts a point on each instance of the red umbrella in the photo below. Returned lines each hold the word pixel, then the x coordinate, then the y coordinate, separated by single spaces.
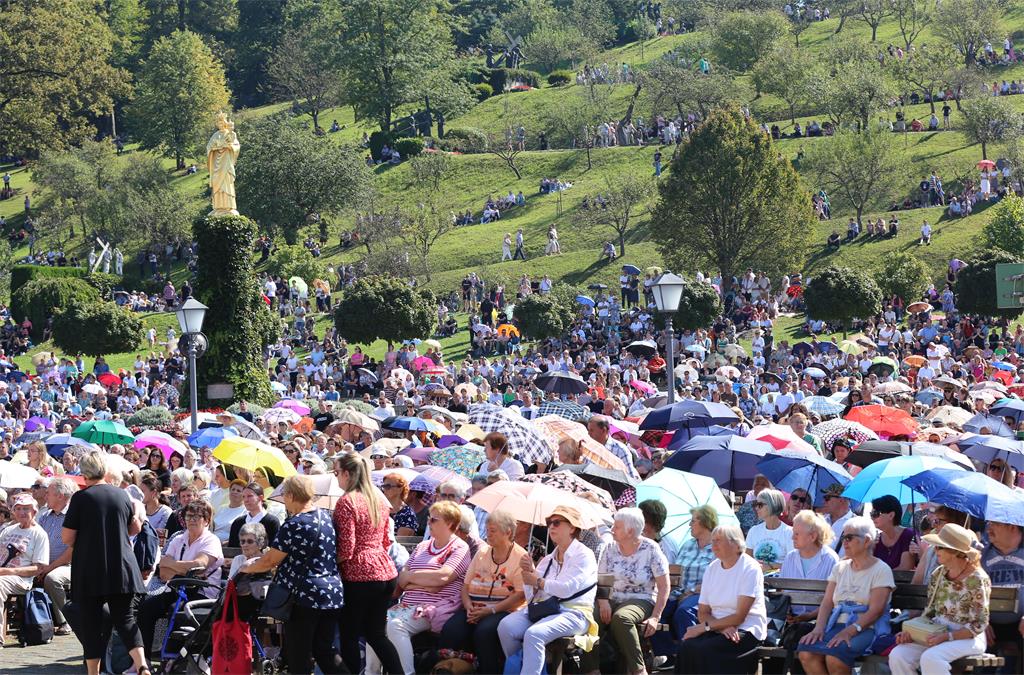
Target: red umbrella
pixel 884 420
pixel 109 380
pixel 986 164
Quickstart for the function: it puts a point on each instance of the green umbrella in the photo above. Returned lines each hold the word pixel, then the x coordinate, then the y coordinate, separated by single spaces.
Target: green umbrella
pixel 103 432
pixel 883 366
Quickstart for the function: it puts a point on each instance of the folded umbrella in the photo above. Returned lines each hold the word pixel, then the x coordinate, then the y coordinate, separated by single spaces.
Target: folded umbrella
pixel 680 492
pixel 730 460
pixel 969 492
pixel 789 471
pixel 886 478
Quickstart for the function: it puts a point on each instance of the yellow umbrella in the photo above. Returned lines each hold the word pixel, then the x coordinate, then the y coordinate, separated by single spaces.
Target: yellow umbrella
pixel 470 432
pixel 848 347
pixel 41 358
pixel 432 343
pixel 248 454
pixel 466 389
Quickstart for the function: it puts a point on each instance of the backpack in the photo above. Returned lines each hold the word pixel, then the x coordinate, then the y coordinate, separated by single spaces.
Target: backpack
pixel 37 627
pixel 147 547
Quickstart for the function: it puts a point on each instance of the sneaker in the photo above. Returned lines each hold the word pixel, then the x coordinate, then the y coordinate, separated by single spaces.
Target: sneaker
pixel 63 630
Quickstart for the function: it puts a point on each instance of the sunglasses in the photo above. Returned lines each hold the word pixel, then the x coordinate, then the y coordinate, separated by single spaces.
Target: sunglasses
pixel 803 499
pixel 829 497
pixel 448 495
pixel 875 514
pixel 995 467
pixel 848 537
pixel 554 522
pixel 389 486
pixel 433 519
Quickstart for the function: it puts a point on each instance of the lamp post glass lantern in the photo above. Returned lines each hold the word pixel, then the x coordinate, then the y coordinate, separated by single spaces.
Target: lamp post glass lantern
pixel 190 319
pixel 667 290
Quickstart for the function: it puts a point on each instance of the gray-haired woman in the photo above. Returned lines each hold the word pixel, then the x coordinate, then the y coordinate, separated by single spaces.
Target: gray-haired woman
pixel 771 540
pixel 639 590
pixel 253 540
pixel 855 609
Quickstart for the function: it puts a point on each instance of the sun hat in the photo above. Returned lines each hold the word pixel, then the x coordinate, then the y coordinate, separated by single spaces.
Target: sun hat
pixel 24 499
pixel 569 513
pixel 953 537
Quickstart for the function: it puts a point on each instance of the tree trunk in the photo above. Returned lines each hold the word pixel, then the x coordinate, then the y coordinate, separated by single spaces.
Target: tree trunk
pixel 315 114
pixel 874 32
pixel 984 150
pixel 512 165
pixel 792 114
pixel 590 164
pixel 627 118
pixel 842 22
pixel 179 161
pixel 622 243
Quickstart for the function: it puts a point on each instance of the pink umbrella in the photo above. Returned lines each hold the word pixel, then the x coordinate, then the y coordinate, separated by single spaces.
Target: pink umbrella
pixel 645 387
pixel 159 439
pixel 421 363
pixel 295 406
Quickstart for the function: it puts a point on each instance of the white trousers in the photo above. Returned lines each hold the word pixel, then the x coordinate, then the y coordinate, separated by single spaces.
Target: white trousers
pixel 516 632
pixel 908 659
pixel 400 631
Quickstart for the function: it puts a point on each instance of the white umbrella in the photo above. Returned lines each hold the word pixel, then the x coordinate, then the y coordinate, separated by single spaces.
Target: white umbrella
pixel 247 429
pixel 17 476
pixel 325 488
pixel 202 418
pixel 275 415
pixel 93 389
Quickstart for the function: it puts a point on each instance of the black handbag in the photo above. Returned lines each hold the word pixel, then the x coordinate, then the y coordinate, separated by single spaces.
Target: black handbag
pixel 278 602
pixel 535 611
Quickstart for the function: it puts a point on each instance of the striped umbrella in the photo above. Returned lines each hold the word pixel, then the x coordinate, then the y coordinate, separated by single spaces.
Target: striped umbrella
pixel 560 429
pixel 831 430
pixel 524 440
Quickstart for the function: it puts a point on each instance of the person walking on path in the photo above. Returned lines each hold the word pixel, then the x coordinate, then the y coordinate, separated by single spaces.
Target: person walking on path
pixel 506 247
pixel 519 254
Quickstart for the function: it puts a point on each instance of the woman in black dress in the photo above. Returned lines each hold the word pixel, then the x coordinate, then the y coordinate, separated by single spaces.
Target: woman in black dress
pixel 104 571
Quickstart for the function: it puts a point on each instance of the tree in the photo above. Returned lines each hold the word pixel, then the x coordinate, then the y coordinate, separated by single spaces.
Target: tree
pixel 550 45
pixel 421 228
pixel 928 70
pixel 7 261
pixel 990 119
pixel 842 294
pixel 852 90
pixel 211 18
pixel 296 261
pixel 699 305
pixel 95 329
pixel 913 16
pixel 149 209
pixel 39 299
pixel 785 73
pixel 966 24
pixel 542 316
pixel 619 205
pixel 975 286
pixel 902 274
pixel 505 147
pixel 731 201
pixel 55 66
pixel 741 39
pixel 383 308
pixel 860 169
pixel 798 24
pixel 260 25
pixel 180 88
pixel 1005 231
pixel 431 169
pixel 675 88
pixel 304 67
pixel 873 13
pixel 572 119
pixel 287 175
pixel 388 47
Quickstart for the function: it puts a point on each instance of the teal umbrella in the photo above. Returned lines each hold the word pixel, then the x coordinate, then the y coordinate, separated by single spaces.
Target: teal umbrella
pixel 680 491
pixel 886 478
pixel 103 432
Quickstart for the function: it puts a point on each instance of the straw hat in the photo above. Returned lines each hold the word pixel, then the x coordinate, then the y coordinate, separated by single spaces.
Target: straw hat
pixel 953 537
pixel 568 513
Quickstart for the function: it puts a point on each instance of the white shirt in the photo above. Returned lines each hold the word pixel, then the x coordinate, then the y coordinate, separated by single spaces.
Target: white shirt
pixel 721 589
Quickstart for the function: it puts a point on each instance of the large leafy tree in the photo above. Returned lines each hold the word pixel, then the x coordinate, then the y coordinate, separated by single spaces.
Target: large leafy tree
pixel 785 72
pixel 542 316
pixel 928 69
pixel 391 48
pixel 259 31
pixel 287 175
pixel 180 88
pixel 383 308
pixel 853 89
pixel 699 305
pixel 841 294
pixel 966 24
pixel 676 88
pixel 56 75
pixel 858 168
pixel 95 329
pixel 975 286
pixel 902 274
pixel 1005 231
pixel 990 119
pixel 731 201
pixel 213 18
pixel 741 39
pixel 621 202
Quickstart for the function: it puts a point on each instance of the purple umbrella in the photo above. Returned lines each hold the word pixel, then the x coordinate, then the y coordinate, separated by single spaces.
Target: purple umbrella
pixel 38 424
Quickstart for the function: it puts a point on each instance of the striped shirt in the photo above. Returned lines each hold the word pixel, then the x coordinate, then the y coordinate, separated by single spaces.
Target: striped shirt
pixel 427 557
pixel 53 523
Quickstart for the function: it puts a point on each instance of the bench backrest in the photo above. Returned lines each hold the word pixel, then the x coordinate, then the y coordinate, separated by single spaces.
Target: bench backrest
pixel 905 596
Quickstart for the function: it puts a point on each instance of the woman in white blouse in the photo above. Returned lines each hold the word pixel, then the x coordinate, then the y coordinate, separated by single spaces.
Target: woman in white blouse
pixel 570 574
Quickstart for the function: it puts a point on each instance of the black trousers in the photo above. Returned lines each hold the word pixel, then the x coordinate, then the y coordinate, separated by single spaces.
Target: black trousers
pixel 480 638
pixel 365 615
pixel 308 635
pixel 715 654
pixel 92 619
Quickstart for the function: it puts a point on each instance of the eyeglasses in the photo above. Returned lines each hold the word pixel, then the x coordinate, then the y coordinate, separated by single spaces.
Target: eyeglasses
pixel 193 516
pixel 875 514
pixel 758 505
pixel 243 542
pixel 38 487
pixel 389 486
pixel 848 537
pixel 433 519
pixel 995 467
pixel 555 522
pixel 448 495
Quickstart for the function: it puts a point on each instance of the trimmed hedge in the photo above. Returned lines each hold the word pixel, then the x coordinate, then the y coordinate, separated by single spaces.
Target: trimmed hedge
pixel 499 76
pixel 22 274
pixel 39 299
pixel 483 91
pixel 409 147
pixel 560 77
pixel 464 139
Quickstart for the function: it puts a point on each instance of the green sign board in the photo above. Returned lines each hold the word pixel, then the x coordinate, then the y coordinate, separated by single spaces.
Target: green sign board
pixel 1010 286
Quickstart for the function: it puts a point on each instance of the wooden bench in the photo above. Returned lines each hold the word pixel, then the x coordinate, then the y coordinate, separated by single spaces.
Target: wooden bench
pixel 906 596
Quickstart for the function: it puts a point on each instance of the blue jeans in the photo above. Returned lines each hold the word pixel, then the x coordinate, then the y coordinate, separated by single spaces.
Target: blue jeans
pixel 680 615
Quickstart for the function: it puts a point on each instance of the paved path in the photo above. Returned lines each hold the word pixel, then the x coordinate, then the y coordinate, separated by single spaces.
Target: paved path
pixel 63 656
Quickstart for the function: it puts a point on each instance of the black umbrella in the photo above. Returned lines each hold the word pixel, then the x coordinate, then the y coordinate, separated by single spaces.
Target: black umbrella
pixel 881 369
pixel 561 382
pixel 369 373
pixel 802 349
pixel 597 287
pixel 612 480
pixel 869 452
pixel 643 347
pixel 773 377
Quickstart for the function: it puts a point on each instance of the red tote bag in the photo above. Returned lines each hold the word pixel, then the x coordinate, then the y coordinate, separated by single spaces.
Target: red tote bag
pixel 232 641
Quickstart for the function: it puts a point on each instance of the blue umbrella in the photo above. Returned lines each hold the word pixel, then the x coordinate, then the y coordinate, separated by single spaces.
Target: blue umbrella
pixel 408 424
pixel 973 493
pixel 210 437
pixel 1009 407
pixel 995 425
pixel 1002 365
pixel 885 478
pixel 679 492
pixel 989 448
pixel 689 418
pixel 585 300
pixel 927 396
pixel 823 405
pixel 57 444
pixel 789 471
pixel 631 269
pixel 730 460
pixel 719 430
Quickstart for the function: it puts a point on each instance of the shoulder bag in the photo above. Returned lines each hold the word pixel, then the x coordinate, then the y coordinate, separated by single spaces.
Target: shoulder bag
pixel 550 606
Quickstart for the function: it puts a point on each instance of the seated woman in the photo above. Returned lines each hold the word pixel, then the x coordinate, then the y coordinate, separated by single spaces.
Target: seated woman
pixel 253 540
pixel 893 545
pixel 958 599
pixel 731 614
pixel 568 574
pixel 811 558
pixel 770 540
pixel 493 588
pixel 639 591
pixel 855 609
pixel 833 240
pixel 431 585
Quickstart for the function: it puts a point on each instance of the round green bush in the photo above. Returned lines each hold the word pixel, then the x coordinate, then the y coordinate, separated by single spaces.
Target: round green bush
pixel 483 91
pixel 409 147
pixel 153 416
pixel 559 77
pixel 465 139
pixel 378 139
pixel 296 261
pixel 39 299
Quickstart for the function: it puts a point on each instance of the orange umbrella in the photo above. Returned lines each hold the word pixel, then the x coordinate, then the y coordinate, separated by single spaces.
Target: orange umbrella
pixel 915 361
pixel 560 428
pixel 884 420
pixel 304 426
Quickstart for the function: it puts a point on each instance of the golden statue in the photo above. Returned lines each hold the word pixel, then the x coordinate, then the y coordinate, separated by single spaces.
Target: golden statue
pixel 221 153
